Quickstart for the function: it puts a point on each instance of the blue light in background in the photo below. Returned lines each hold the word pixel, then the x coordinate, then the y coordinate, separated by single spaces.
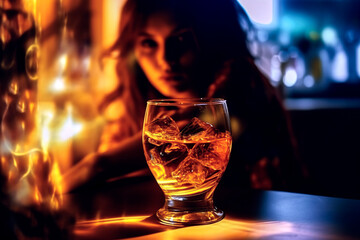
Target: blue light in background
pixel 329 36
pixel 290 77
pixel 358 60
pixel 296 23
pixel 339 70
pixel 302 45
pixel 263 12
pixel 309 81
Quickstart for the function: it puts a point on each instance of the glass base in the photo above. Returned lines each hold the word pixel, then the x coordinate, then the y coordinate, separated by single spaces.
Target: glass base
pixel 186 211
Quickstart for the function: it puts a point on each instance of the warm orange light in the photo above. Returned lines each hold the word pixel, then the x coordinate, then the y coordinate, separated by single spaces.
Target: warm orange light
pixel 69 127
pixel 14 87
pixel 58 85
pixel 55 179
pixel 229 228
pixel 90 227
pixel 29 167
pixel 116 220
pixel 37 195
pixel 15 163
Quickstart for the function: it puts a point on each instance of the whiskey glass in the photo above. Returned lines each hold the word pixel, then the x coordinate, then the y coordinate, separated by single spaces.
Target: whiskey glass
pixel 187 144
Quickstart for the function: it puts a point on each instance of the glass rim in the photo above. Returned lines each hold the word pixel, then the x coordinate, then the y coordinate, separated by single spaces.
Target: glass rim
pixel 186 101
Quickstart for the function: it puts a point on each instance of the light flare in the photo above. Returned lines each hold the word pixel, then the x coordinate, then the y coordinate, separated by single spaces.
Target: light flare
pixel 56 179
pixel 115 220
pixel 14 87
pixel 29 167
pixel 47 117
pixel 69 128
pixel 21 106
pixel 58 85
pixel 27 175
pixel 90 227
pixel 63 60
pixel 37 195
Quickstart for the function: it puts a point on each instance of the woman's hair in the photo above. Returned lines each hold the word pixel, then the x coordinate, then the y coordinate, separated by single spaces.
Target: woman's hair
pixel 217 26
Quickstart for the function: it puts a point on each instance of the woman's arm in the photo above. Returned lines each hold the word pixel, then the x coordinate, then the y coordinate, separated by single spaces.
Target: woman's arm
pixel 124 157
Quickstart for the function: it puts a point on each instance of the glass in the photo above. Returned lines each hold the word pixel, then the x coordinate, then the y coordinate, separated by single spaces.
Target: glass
pixel 187 144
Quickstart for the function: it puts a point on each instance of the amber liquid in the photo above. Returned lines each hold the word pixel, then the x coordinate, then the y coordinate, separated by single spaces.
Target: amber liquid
pixel 187 167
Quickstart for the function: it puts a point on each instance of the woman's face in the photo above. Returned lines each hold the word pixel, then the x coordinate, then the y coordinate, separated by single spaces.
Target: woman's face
pixel 167 52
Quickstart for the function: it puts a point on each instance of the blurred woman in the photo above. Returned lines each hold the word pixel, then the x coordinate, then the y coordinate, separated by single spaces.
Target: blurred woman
pixel 188 49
